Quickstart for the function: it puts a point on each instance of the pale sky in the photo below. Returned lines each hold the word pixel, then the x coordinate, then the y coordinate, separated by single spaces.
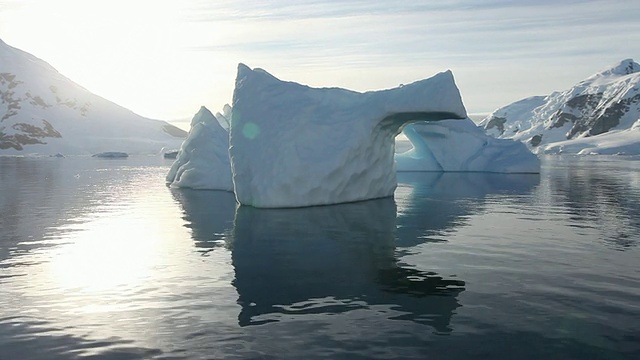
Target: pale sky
pixel 164 59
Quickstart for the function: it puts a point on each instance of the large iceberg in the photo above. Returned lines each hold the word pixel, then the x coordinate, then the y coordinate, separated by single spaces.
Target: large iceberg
pixel 203 159
pixel 454 145
pixel 293 145
pixel 313 157
pixel 442 146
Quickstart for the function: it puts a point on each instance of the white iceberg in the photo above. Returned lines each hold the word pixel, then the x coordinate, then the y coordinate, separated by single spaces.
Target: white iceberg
pixel 295 153
pixel 293 145
pixel 203 159
pixel 454 145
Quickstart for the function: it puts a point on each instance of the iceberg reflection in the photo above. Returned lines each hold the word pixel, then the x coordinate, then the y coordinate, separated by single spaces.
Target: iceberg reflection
pixel 329 260
pixel 301 262
pixel 431 203
pixel 208 213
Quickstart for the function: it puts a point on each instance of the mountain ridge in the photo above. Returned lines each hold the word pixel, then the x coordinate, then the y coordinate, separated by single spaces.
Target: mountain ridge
pixel 43 111
pixel 607 102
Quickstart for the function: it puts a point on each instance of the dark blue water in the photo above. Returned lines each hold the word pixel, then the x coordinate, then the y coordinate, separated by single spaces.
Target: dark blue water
pixel 98 259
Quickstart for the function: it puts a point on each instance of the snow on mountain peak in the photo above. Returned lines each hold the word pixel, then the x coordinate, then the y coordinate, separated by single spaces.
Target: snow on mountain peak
pixel 624 67
pixel 45 112
pixel 612 73
pixel 574 120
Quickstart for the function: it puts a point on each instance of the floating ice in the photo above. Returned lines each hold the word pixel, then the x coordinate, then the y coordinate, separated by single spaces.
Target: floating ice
pixel 203 159
pixel 454 145
pixel 111 154
pixel 293 145
pixel 171 154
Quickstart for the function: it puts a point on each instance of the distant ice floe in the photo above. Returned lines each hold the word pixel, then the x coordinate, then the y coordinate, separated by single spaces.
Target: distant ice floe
pixel 111 154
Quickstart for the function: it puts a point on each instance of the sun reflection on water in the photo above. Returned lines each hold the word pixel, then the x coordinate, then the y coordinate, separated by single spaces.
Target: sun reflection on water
pixel 115 249
pixel 111 251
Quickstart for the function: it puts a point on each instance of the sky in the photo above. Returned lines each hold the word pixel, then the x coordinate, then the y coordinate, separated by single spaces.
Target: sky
pixel 164 59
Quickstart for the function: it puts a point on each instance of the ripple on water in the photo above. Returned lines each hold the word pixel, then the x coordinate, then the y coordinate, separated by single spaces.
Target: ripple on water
pixel 116 265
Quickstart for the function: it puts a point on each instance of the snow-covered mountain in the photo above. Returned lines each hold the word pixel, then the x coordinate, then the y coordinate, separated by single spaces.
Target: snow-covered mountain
pixel 42 111
pixel 599 115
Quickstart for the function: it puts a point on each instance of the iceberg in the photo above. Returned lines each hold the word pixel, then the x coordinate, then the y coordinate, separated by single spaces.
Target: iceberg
pixel 292 145
pixel 111 155
pixel 203 159
pixel 171 154
pixel 454 145
pixel 295 146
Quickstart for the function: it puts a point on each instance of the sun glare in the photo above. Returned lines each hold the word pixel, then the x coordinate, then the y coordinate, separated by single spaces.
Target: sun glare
pixel 117 246
pixel 111 252
pixel 130 52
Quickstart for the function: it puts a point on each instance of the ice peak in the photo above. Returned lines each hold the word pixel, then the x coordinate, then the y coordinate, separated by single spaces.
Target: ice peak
pixel 243 70
pixel 201 116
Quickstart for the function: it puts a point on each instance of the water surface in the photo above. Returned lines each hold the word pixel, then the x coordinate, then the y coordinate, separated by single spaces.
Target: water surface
pixel 99 258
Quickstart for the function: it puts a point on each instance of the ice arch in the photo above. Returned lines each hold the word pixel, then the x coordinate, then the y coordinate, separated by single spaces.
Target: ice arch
pixel 454 145
pixel 292 145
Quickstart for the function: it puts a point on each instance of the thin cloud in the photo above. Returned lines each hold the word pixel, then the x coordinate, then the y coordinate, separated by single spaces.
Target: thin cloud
pixel 500 29
pixel 499 50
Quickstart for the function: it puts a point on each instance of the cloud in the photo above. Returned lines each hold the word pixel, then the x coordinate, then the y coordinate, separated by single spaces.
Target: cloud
pixel 499 50
pixel 543 44
pixel 463 31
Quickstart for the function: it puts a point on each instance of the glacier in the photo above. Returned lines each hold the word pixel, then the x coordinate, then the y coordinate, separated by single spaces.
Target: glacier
pixel 203 159
pixel 454 145
pixel 292 145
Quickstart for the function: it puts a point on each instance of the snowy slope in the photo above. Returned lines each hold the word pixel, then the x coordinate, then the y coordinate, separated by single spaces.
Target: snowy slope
pixel 41 111
pixel 599 115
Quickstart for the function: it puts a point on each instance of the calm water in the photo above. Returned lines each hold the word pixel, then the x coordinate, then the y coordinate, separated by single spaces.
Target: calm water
pixel 99 259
